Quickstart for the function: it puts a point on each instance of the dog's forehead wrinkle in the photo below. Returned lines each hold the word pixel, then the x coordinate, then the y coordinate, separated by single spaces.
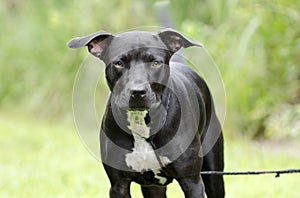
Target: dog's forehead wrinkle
pixel 136 45
pixel 135 39
pixel 136 34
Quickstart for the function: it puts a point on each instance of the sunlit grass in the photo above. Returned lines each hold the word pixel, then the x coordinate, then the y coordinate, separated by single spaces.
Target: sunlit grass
pixel 47 159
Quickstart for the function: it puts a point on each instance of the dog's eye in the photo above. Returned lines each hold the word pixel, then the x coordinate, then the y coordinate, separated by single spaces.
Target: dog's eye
pixel 118 64
pixel 156 64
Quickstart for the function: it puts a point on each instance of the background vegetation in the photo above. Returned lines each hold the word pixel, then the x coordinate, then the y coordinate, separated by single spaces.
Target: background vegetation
pixel 256 45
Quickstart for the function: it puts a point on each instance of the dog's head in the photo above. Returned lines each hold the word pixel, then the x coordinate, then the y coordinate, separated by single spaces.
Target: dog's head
pixel 137 63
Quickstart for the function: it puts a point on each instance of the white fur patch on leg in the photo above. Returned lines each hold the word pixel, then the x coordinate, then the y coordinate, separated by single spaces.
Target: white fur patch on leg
pixel 161 180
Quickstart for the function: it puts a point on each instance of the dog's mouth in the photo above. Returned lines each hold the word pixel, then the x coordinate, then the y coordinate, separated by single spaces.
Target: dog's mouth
pixel 138 108
pixel 145 104
pixel 139 104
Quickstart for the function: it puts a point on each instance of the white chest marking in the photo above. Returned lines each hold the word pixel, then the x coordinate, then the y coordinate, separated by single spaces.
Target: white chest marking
pixel 143 158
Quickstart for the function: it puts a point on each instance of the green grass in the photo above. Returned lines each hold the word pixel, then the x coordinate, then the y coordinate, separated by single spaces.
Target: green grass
pixel 47 159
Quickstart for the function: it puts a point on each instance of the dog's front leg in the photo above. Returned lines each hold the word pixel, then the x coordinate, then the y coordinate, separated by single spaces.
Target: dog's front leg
pixel 192 187
pixel 120 189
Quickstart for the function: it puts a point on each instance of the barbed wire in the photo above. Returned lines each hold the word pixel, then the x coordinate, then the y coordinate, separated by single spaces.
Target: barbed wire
pixel 277 172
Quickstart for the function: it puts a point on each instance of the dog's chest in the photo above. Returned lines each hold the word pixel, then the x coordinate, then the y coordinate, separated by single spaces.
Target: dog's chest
pixel 143 157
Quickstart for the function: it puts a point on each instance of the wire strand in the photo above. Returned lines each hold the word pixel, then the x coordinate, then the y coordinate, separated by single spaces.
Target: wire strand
pixel 277 172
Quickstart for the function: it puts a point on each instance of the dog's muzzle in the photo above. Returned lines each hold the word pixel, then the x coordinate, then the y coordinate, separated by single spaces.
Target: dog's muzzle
pixel 140 98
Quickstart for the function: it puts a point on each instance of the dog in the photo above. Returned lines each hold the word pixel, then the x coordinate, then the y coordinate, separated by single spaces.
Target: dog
pixel 157 115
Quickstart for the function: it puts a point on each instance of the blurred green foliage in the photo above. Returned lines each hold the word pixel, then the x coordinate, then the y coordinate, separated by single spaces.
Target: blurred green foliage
pixel 256 45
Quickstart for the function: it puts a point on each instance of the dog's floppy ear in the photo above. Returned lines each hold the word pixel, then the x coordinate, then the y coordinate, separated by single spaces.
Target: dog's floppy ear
pixel 96 42
pixel 174 40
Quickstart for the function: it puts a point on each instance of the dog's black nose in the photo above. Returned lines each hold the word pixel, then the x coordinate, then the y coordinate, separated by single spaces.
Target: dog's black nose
pixel 139 97
pixel 138 93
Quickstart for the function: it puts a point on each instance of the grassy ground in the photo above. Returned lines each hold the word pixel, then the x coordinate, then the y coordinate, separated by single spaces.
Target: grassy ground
pixel 47 159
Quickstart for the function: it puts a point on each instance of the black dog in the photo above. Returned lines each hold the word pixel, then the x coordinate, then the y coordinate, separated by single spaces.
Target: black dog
pixel 157 116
